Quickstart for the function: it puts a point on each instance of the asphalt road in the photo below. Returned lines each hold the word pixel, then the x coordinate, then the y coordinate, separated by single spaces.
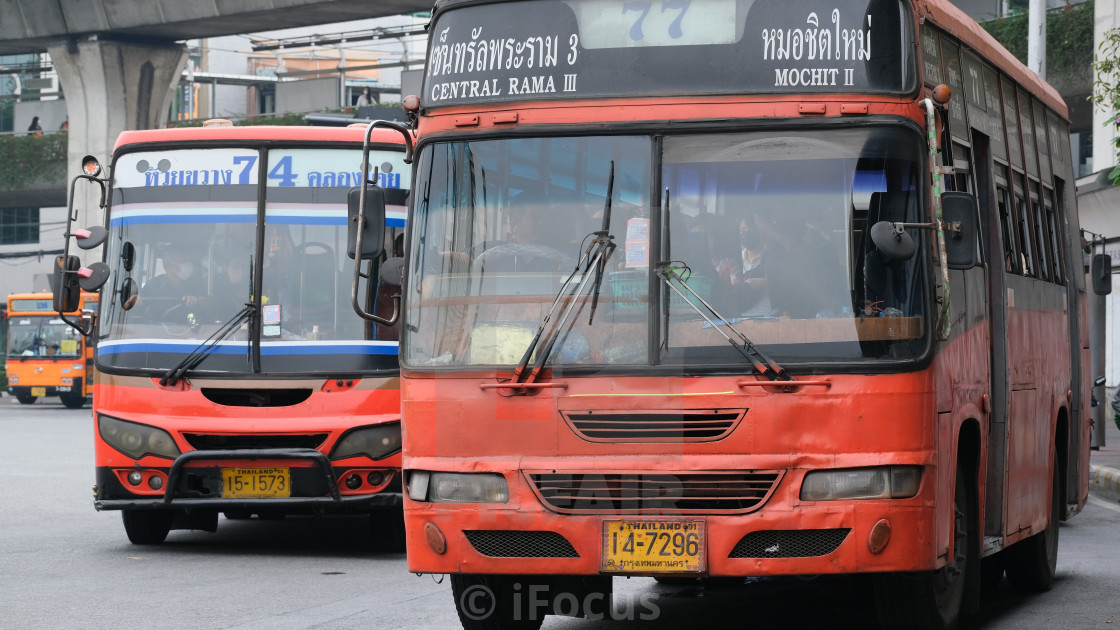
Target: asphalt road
pixel 64 565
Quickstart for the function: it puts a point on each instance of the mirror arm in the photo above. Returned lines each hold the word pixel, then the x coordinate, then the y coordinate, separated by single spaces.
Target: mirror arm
pixel 82 325
pixel 948 226
pixel 362 222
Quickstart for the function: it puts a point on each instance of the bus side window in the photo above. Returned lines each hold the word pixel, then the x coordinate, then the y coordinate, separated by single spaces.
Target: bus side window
pixel 1055 239
pixel 1010 250
pixel 1023 228
pixel 1042 236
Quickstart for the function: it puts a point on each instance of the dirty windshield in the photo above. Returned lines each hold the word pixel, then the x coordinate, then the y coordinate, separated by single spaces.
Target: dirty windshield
pixel 768 228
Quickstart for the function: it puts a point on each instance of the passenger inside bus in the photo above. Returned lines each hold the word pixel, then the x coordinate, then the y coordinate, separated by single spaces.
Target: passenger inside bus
pixel 171 296
pixel 537 227
pixel 232 287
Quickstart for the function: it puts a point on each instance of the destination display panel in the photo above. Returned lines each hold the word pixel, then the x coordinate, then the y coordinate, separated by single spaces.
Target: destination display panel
pixel 572 49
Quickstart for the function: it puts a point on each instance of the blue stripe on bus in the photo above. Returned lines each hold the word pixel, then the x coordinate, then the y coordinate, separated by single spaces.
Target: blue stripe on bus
pixel 290 350
pixel 304 220
pixel 180 218
pixel 174 348
pixel 273 220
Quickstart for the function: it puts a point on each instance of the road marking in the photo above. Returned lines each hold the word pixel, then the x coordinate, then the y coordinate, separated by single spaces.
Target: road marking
pixel 1105 504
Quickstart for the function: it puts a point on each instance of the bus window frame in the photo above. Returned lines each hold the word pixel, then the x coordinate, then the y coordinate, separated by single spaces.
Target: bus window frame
pixel 261 146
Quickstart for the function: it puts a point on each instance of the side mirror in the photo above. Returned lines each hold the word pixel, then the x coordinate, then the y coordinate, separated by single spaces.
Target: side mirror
pixel 1101 271
pixel 373 222
pixel 92 278
pixel 64 284
pixel 959 209
pixel 392 272
pixel 91 237
pixel 892 241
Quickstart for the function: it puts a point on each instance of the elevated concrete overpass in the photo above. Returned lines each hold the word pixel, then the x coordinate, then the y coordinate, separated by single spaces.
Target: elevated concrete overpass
pixel 29 26
pixel 118 61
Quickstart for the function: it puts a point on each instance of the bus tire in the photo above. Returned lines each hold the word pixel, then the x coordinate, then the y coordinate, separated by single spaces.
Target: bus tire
pixel 73 401
pixel 147 527
pixel 1031 563
pixel 26 399
pixel 488 602
pixel 934 600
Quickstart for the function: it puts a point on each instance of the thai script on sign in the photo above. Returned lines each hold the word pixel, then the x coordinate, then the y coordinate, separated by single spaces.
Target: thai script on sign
pixel 836 43
pixel 212 177
pixel 488 55
pixel 500 55
pixel 816 43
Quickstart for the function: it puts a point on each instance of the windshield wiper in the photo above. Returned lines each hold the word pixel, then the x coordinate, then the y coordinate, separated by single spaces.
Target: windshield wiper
pixel 203 350
pixel 594 257
pixel 762 363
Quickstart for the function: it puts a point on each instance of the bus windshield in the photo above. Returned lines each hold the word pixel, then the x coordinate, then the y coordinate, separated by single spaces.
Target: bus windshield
pixel 188 252
pixel 42 337
pixel 769 229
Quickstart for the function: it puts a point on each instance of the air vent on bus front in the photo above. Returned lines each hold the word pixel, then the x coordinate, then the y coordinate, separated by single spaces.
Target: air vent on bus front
pixel 256 397
pixel 218 442
pixel 688 492
pixel 667 425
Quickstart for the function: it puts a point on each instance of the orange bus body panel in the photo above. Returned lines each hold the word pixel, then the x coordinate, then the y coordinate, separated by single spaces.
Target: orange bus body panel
pixel 462 422
pixel 200 421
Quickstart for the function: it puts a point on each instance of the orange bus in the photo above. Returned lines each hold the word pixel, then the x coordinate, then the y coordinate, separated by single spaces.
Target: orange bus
pixel 235 377
pixel 45 356
pixel 738 288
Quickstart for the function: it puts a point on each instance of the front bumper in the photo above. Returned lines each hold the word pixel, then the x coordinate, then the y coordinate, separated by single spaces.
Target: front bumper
pixel 194 480
pixel 781 536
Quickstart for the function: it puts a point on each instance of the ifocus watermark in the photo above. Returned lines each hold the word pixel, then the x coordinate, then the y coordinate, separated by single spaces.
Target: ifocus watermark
pixel 533 601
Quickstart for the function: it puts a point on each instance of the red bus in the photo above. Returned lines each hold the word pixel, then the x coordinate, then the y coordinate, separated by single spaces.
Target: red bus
pixel 738 288
pixel 234 375
pixel 46 357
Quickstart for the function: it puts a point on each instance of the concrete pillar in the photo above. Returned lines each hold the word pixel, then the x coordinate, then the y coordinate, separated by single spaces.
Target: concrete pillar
pixel 111 87
pixel 1036 37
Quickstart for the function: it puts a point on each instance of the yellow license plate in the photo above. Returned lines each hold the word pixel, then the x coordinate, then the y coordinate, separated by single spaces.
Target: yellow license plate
pixel 661 546
pixel 38 391
pixel 256 483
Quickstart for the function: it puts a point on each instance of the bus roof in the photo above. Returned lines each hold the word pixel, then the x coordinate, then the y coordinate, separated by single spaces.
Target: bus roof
pixel 258 133
pixel 946 16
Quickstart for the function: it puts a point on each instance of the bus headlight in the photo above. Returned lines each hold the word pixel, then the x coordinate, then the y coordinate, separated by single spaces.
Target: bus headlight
pixel 442 487
pixel 136 440
pixel 884 482
pixel 375 442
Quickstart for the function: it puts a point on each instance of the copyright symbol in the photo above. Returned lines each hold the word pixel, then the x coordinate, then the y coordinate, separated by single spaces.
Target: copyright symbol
pixel 477 602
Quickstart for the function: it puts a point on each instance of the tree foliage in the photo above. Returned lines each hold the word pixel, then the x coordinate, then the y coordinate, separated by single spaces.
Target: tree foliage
pixel 26 160
pixel 1106 88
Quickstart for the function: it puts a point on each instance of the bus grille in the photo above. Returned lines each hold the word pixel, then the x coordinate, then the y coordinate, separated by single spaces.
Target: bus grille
pixel 794 543
pixel 676 493
pixel 671 425
pixel 520 544
pixel 207 442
